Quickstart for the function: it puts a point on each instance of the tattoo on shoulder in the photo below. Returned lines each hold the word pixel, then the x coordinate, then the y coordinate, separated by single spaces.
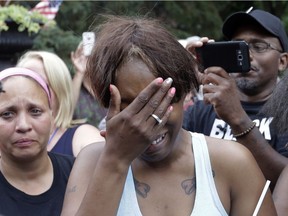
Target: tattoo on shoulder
pixel 71 189
pixel 141 188
pixel 189 185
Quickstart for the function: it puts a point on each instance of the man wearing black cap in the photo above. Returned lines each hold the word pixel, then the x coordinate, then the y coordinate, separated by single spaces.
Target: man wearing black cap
pixel 231 105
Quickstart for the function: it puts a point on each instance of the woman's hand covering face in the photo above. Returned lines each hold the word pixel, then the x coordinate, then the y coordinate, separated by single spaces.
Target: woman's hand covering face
pixel 129 132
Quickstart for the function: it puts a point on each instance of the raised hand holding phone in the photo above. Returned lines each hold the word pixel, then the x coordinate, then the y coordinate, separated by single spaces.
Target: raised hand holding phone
pixel 88 39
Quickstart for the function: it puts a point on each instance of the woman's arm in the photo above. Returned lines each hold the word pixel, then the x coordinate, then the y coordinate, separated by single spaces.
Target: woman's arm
pixel 97 180
pixel 280 193
pixel 80 177
pixel 247 183
pixel 79 61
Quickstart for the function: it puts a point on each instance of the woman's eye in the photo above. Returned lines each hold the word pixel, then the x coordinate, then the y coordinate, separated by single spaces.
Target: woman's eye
pixel 36 111
pixel 7 114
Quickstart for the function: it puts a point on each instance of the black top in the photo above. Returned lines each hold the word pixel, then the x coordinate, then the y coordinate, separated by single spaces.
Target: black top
pixel 201 118
pixel 14 202
pixel 64 144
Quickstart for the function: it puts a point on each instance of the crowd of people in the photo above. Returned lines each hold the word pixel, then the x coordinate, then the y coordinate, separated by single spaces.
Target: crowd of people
pixel 119 138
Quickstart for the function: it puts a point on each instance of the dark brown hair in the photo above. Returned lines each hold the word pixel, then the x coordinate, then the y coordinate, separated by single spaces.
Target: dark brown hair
pixel 120 38
pixel 277 104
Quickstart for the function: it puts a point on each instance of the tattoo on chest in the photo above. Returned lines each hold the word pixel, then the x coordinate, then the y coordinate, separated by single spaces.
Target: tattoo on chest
pixel 188 185
pixel 142 189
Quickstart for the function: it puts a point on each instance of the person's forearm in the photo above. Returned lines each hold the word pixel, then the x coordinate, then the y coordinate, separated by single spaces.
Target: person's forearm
pixel 280 193
pixel 105 189
pixel 77 83
pixel 270 161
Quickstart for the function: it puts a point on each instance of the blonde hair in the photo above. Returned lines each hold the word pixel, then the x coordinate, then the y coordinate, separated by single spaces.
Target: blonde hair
pixel 59 80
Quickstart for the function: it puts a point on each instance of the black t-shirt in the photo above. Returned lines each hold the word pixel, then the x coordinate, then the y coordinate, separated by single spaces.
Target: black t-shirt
pixel 14 202
pixel 202 118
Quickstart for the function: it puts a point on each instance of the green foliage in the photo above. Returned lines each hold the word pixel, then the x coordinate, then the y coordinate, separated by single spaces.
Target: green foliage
pixel 56 40
pixel 186 19
pixel 26 20
pixel 182 18
pixel 75 16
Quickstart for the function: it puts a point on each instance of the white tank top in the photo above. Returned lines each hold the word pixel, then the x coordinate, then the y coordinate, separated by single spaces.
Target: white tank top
pixel 207 201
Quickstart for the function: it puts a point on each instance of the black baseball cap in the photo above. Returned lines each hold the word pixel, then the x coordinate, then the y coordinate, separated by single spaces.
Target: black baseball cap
pixel 268 21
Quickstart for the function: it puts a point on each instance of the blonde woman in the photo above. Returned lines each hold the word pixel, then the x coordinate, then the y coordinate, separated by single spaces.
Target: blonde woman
pixel 68 136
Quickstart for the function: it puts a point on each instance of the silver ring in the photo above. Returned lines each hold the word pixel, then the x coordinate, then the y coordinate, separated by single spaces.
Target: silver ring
pixel 156 118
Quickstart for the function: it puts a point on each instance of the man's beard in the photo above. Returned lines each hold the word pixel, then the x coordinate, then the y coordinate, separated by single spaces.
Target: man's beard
pixel 246 86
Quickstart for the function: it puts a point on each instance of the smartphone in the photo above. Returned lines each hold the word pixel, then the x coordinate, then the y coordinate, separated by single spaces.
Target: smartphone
pixel 88 39
pixel 232 56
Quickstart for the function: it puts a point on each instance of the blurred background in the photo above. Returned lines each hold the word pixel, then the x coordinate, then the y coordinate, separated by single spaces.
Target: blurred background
pixel 71 18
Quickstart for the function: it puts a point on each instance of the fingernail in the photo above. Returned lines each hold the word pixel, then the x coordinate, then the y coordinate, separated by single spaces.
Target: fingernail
pixel 159 80
pixel 172 91
pixel 169 80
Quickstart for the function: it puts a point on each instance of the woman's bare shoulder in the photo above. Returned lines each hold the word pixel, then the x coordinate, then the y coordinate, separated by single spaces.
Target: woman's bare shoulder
pixel 84 135
pixel 235 164
pixel 228 151
pixel 91 152
pixel 88 156
pixel 88 132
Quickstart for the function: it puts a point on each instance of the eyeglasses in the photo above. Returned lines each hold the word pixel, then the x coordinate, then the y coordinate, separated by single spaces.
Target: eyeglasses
pixel 261 47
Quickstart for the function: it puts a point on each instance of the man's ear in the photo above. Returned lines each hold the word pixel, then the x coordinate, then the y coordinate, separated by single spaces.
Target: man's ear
pixel 283 64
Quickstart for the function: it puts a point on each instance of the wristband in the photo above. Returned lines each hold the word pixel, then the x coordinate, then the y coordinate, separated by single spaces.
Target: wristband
pixel 246 131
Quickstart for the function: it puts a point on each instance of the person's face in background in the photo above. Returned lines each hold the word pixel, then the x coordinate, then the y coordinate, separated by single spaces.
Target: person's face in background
pixel 38 66
pixel 25 119
pixel 264 66
pixel 133 77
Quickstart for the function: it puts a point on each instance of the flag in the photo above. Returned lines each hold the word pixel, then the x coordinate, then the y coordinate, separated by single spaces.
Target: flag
pixel 48 8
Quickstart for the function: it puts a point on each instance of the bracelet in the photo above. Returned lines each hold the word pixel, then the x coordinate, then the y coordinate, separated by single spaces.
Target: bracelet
pixel 246 131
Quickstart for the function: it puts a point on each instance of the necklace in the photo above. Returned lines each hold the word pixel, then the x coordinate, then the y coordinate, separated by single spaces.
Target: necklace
pixel 52 136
